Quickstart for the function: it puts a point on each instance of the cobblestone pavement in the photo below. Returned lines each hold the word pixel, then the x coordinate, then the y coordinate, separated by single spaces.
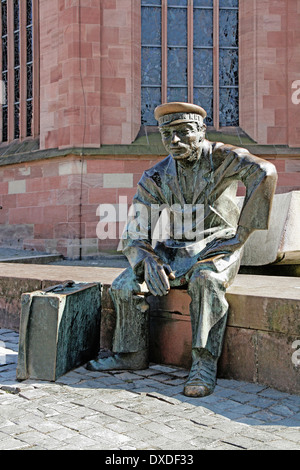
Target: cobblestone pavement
pixel 128 411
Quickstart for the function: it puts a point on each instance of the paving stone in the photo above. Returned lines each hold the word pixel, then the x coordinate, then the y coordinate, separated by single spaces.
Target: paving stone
pixel 284 445
pixel 290 434
pixel 266 416
pixel 33 394
pixel 79 442
pixel 12 444
pixel 162 368
pixel 140 410
pixel 281 410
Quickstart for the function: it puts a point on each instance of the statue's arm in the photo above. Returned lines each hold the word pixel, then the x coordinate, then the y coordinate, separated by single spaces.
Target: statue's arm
pixel 259 178
pixel 137 242
pixel 260 181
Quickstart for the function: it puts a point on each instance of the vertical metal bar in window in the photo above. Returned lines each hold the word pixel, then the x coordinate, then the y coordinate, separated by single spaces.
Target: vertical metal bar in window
pixel 2 81
pixel 23 74
pixel 164 50
pixel 10 71
pixel 36 69
pixel 229 60
pixel 17 68
pixel 29 68
pixel 190 46
pixel 4 72
pixel 216 94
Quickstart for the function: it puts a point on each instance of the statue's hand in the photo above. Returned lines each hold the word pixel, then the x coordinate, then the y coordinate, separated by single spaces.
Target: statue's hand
pixel 227 246
pixel 157 275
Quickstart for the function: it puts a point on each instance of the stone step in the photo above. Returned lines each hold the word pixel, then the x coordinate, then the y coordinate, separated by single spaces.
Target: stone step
pixel 15 255
pixel 33 259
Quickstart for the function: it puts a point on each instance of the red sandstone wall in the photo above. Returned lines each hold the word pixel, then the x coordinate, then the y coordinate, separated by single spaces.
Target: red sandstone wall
pixel 70 73
pixel 120 71
pixel 90 72
pixel 90 94
pixel 269 66
pixel 41 200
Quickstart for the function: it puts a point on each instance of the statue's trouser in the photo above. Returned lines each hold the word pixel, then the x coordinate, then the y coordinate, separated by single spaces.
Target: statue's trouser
pixel 208 308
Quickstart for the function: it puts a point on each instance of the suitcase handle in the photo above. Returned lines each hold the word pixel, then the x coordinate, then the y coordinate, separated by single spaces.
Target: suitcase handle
pixel 59 286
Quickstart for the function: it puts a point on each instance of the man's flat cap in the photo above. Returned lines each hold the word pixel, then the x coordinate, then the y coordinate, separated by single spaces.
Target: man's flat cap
pixel 177 113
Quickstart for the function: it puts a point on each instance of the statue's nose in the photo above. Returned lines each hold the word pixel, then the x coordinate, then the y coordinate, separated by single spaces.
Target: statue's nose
pixel 175 138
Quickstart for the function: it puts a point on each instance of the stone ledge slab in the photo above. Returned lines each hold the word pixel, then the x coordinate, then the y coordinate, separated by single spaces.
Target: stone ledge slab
pixel 262 325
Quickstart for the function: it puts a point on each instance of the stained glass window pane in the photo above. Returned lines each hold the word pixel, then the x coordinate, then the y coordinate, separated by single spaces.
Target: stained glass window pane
pixel 203 3
pixel 151 70
pixel 177 27
pixel 4 72
pixel 4 53
pixel 177 66
pixel 17 120
pixel 228 63
pixel 151 2
pixel 4 87
pixel 17 49
pixel 177 94
pixel 229 70
pixel 16 14
pixel 203 67
pixel 177 52
pixel 29 69
pixel 229 3
pixel 151 97
pixel 4 123
pixel 179 3
pixel 177 56
pixel 203 28
pixel 203 57
pixel 151 26
pixel 4 17
pixel 29 12
pixel 228 28
pixel 151 60
pixel 229 107
pixel 29 116
pixel 17 84
pixel 204 97
pixel 29 44
pixel 29 81
pixel 16 70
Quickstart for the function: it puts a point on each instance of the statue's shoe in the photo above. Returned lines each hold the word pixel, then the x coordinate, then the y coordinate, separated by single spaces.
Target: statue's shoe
pixel 202 378
pixel 122 361
pixel 198 389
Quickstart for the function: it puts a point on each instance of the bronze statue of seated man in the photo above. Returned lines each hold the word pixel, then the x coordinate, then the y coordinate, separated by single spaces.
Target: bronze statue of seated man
pixel 198 180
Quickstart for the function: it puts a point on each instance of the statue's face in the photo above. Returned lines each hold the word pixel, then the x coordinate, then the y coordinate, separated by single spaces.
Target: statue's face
pixel 183 141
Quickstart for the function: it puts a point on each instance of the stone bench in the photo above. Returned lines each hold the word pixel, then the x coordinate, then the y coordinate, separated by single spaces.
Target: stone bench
pixel 280 244
pixel 261 337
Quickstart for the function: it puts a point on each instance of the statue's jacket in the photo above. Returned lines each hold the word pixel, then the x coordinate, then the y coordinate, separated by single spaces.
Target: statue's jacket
pixel 214 211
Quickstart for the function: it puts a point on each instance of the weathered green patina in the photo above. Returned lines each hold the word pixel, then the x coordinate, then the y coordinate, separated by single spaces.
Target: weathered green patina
pixel 59 330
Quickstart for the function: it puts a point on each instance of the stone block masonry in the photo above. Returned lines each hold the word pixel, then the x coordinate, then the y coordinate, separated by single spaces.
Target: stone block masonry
pixel 269 68
pixel 90 73
pixel 51 204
